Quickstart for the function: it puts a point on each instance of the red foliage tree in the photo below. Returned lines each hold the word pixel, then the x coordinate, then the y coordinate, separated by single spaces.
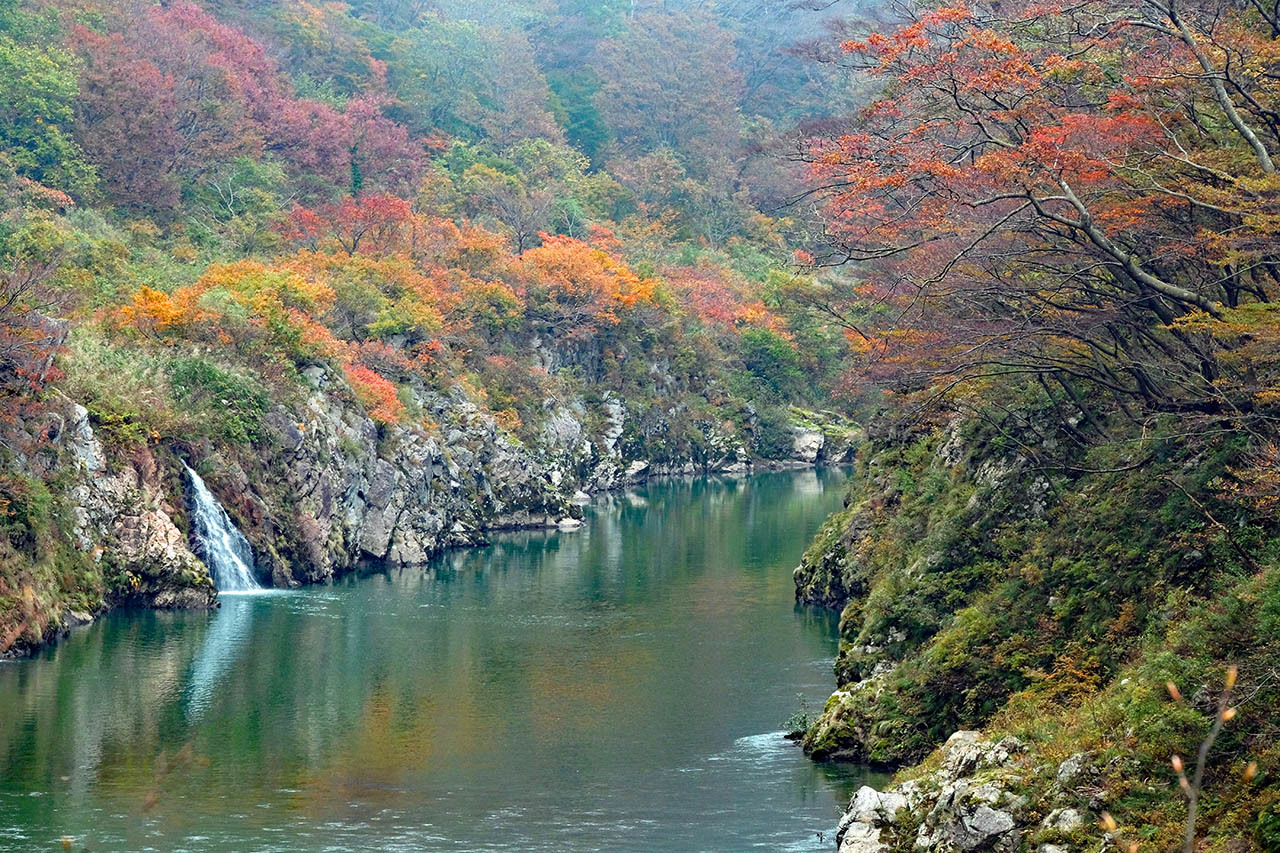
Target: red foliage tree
pixel 1048 190
pixel 175 92
pixel 374 223
pixel 125 120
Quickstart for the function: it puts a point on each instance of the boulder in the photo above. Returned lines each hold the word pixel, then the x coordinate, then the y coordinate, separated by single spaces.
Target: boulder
pixel 874 807
pixel 1063 820
pixel 970 803
pixel 807 444
pixel 861 838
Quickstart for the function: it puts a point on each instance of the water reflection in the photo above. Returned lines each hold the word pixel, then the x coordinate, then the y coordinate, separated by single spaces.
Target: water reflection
pixel 223 643
pixel 614 688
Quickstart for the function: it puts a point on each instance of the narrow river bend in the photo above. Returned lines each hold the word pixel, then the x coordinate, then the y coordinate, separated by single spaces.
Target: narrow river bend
pixel 618 688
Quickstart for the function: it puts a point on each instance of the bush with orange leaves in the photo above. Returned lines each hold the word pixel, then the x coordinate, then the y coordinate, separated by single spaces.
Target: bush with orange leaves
pixel 575 289
pixel 275 312
pixel 260 310
pixel 378 296
pixel 376 393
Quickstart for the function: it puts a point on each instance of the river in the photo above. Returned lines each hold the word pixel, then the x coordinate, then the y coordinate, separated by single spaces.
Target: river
pixel 616 688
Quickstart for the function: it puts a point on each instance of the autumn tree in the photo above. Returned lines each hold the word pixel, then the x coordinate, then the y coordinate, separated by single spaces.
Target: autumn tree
pixel 31 252
pixel 38 89
pixel 575 289
pixel 533 186
pixel 1048 192
pixel 375 222
pixel 174 94
pixel 125 116
pixel 669 82
pixel 379 297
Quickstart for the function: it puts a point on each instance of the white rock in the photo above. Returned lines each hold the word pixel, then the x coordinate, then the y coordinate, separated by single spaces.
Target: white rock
pixel 961 753
pixel 862 838
pixel 315 375
pixel 83 443
pixel 874 807
pixel 1070 770
pixel 807 444
pixel 1063 819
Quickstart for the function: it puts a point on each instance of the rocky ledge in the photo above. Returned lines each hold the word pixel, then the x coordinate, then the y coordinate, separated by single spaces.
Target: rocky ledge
pixel 973 795
pixel 327 489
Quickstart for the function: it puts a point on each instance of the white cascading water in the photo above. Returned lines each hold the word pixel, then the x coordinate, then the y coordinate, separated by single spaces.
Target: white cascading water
pixel 222 547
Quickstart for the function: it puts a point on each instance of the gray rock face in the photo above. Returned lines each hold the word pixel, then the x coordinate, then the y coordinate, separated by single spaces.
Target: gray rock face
pixel 342 493
pixel 124 522
pixel 975 829
pixel 962 752
pixel 328 488
pixel 874 807
pixel 807 444
pixel 338 490
pixel 871 811
pixel 968 805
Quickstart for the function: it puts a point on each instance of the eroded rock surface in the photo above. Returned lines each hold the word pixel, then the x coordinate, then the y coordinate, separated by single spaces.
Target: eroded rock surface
pixel 970 803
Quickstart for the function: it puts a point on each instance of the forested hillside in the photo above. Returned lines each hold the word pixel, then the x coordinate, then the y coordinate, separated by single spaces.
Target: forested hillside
pixel 1063 222
pixel 303 248
pixel 392 274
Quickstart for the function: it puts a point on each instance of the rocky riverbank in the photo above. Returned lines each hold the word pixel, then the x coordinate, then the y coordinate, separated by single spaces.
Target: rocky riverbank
pixel 972 798
pixel 1016 596
pixel 328 489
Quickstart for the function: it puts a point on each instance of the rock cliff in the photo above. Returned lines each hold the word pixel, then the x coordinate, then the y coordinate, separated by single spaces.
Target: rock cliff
pixel 327 489
pixel 1003 571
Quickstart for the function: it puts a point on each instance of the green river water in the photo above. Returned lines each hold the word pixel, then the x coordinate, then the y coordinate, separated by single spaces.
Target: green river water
pixel 618 688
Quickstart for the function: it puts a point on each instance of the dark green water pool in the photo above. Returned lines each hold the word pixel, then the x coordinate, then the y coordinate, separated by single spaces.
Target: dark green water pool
pixel 619 688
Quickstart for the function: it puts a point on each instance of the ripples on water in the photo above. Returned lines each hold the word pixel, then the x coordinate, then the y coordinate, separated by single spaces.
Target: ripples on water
pixel 618 689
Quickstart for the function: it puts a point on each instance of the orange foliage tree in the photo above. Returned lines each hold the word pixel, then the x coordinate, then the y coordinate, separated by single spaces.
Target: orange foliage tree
pixel 1047 190
pixel 375 223
pixel 721 300
pixel 576 289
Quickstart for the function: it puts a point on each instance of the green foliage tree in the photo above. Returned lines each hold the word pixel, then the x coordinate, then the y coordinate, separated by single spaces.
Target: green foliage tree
pixel 38 89
pixel 470 81
pixel 773 360
pixel 575 108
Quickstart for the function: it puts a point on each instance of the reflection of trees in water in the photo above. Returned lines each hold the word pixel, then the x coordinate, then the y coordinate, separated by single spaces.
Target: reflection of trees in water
pixel 547 648
pixel 104 692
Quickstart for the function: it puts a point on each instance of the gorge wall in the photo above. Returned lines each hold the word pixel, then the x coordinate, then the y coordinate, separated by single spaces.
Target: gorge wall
pixel 328 489
pixel 1017 590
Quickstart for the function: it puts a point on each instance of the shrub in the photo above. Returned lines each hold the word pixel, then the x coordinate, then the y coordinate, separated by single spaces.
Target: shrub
pixel 772 437
pixel 234 404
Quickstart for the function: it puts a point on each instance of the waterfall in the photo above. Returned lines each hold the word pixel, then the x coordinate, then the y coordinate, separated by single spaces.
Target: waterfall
pixel 222 547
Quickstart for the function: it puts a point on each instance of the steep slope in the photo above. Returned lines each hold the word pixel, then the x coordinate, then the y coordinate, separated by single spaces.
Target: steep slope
pixel 1002 570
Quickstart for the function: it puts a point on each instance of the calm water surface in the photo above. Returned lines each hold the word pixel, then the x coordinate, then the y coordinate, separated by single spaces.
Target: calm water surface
pixel 619 688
